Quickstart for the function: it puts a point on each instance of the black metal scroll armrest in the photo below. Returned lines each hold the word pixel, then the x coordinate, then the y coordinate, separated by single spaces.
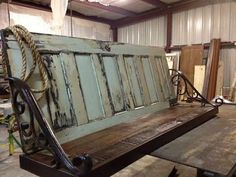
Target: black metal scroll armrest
pixel 194 95
pixel 78 166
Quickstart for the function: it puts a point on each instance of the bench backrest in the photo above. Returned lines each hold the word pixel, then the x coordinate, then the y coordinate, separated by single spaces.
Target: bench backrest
pixel 95 84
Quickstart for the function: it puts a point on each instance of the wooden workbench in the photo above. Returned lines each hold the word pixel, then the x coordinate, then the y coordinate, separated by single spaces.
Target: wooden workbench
pixel 211 147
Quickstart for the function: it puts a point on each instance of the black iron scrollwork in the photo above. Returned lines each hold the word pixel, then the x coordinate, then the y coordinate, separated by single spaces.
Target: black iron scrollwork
pixel 178 78
pixel 32 140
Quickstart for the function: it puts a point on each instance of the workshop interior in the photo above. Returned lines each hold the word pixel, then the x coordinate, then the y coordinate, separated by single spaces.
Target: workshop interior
pixel 117 88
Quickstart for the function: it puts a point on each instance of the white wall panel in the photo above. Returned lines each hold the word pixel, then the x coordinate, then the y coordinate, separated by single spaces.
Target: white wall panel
pixel 202 24
pixel 232 21
pixel 151 32
pixel 4 22
pixel 207 23
pixel 41 22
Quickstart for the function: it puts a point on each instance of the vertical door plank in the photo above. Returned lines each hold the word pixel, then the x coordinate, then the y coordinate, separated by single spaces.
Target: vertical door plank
pixel 157 80
pixel 90 87
pixel 162 78
pixel 114 84
pixel 129 64
pixel 125 83
pixel 34 82
pixel 77 99
pixel 63 116
pixel 167 77
pixel 142 80
pixel 149 79
pixel 102 81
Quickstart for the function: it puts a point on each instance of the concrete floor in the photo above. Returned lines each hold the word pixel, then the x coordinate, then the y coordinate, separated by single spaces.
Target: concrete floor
pixel 146 167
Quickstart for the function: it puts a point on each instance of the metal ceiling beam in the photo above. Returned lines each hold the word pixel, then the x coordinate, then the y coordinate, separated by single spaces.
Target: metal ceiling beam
pixel 175 7
pixel 48 9
pixel 157 3
pixel 140 17
pixel 109 8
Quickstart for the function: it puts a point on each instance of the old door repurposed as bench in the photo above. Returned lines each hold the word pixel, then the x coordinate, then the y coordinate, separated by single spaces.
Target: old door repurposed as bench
pixel 97 91
pixel 94 84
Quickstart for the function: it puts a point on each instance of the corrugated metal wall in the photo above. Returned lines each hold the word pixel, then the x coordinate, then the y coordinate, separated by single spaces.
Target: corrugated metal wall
pixel 202 24
pixel 151 32
pixel 193 26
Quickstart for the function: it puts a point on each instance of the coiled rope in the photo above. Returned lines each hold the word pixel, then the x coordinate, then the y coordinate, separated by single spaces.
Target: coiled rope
pixel 24 37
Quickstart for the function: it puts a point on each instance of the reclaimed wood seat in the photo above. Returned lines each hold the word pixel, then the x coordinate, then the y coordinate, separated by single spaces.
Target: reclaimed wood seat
pixel 108 105
pixel 116 147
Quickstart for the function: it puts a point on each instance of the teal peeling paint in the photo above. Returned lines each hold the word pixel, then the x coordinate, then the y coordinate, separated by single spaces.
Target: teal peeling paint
pixel 98 84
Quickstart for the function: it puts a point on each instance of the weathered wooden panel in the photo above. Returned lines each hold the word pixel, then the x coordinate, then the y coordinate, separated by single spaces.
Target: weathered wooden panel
pixel 89 86
pixel 64 115
pixel 57 44
pixel 142 80
pixel 135 89
pixel 102 81
pixel 114 84
pixel 157 80
pixel 149 79
pixel 91 81
pixel 74 88
pixel 167 77
pixel 163 78
pixel 129 103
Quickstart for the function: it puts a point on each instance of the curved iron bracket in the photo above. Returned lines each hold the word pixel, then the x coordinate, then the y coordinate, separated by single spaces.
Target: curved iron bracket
pixel 32 141
pixel 189 90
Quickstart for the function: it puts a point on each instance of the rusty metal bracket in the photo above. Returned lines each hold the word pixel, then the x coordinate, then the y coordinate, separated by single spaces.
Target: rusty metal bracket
pixel 192 93
pixel 23 99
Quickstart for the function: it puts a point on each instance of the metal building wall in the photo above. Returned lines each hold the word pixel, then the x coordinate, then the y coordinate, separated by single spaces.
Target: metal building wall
pixel 151 32
pixel 202 24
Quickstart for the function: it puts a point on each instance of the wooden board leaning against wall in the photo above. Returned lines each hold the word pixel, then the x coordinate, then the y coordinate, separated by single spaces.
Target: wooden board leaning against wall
pixel 190 57
pixel 210 81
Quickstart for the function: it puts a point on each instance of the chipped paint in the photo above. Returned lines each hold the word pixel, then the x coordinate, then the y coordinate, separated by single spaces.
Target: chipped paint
pixel 93 81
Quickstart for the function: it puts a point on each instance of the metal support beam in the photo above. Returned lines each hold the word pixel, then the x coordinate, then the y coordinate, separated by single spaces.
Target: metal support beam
pixel 169 32
pixel 114 34
pixel 157 3
pixel 109 8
